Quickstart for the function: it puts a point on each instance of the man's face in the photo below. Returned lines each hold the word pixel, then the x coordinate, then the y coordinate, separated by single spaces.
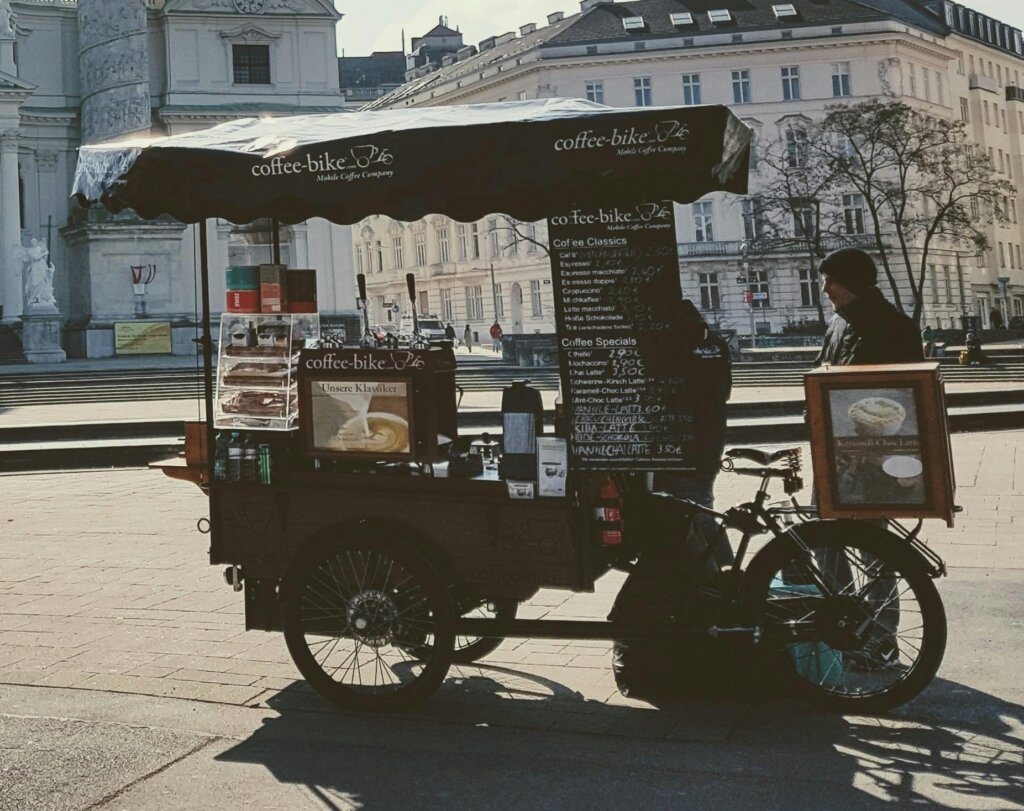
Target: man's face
pixel 839 295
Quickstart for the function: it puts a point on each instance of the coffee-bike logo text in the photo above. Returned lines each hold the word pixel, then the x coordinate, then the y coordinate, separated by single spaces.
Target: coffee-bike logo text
pixel 665 136
pixel 364 162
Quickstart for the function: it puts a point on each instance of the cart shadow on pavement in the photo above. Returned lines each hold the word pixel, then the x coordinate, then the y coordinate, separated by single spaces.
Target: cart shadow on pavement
pixel 497 737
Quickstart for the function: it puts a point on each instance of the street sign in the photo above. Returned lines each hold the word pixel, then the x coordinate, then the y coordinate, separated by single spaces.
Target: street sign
pixel 760 297
pixel 396 308
pixel 747 296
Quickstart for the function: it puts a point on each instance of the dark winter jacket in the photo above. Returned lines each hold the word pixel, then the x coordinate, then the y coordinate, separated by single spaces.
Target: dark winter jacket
pixel 870 330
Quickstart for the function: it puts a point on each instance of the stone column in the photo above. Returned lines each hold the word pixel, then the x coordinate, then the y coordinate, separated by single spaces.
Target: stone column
pixel 113 65
pixel 12 294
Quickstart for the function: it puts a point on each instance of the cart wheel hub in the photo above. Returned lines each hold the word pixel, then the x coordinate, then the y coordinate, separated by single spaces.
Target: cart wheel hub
pixel 372 615
pixel 838 621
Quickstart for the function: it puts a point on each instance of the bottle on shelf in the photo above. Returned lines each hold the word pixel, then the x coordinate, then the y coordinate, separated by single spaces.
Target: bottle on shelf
pixel 235 457
pixel 265 464
pixel 250 335
pixel 220 457
pixel 249 459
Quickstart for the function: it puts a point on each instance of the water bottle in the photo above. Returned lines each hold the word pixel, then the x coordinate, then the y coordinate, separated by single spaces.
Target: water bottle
pixel 249 460
pixel 235 457
pixel 220 457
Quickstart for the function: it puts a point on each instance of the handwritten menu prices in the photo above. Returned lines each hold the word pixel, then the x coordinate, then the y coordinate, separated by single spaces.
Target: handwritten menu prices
pixel 616 286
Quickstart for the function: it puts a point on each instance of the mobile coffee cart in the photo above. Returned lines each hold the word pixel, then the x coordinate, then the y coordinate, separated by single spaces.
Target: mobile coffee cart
pixel 370 565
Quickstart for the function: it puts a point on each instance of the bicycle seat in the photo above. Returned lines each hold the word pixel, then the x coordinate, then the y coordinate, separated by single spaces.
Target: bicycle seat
pixel 762 458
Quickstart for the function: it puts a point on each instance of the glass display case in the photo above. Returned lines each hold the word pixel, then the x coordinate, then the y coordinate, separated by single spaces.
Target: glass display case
pixel 257 381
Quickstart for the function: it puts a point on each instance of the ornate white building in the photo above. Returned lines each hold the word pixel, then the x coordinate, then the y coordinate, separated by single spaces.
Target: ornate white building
pixel 775 64
pixel 92 70
pixel 455 264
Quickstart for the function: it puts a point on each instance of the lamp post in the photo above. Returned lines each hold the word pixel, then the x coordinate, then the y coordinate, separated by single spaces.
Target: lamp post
pixel 494 293
pixel 749 295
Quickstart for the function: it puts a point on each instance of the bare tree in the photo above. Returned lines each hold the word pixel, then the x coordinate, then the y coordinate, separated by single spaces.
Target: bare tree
pixel 923 185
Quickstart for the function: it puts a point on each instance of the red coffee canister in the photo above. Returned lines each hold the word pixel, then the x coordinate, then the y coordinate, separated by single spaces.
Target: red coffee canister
pixel 243 301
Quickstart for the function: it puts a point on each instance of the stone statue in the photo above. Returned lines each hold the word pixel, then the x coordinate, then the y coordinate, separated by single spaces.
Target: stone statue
pixel 38 273
pixel 6 17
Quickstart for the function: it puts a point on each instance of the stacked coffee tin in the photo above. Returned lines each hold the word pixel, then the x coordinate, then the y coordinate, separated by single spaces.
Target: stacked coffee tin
pixel 243 289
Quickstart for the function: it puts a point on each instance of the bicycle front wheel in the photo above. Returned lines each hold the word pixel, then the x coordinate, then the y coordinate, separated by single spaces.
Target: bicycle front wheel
pixel 850 616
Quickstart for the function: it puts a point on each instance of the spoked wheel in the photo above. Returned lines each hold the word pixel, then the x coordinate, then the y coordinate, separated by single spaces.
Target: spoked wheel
pixel 872 639
pixel 368 622
pixel 469 649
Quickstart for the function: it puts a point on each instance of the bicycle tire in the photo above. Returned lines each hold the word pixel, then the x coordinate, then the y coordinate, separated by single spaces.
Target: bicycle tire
pixel 805 631
pixel 346 596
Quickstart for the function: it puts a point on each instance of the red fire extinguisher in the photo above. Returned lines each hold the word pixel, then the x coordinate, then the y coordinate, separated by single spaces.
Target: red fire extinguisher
pixel 608 513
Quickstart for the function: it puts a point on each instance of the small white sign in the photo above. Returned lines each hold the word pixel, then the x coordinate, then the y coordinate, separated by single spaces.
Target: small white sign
pixel 760 297
pixel 552 466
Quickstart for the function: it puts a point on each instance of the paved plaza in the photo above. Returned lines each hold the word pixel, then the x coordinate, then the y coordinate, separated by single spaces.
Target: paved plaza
pixel 106 597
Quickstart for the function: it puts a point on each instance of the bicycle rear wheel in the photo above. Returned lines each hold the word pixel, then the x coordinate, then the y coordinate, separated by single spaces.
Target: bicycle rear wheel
pixel 873 638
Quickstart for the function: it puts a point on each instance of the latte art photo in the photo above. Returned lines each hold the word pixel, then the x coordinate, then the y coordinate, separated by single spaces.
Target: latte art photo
pixel 378 433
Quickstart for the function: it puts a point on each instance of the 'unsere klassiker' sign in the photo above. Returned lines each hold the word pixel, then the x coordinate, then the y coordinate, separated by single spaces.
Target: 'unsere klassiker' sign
pixel 616 284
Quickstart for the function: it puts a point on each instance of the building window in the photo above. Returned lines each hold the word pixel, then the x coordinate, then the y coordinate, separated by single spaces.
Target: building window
pixel 421 248
pixel 531 234
pixel 703 228
pixel 398 252
pixel 642 91
pixel 499 302
pixel 444 253
pixel 796 147
pixel 757 281
pixel 446 305
pixel 947 284
pixel 965 111
pixel 474 303
pixel 708 286
pixel 378 250
pixel 810 292
pixel 492 230
pixel 463 241
pixel 913 79
pixel 841 79
pixel 358 254
pixel 251 64
pixel 803 220
pixel 424 302
pixel 741 87
pixel 753 224
pixel 853 213
pixel 253 244
pixel 691 88
pixel 595 92
pixel 536 307
pixel 1002 256
pixel 791 83
pixel 933 273
pixel 474 239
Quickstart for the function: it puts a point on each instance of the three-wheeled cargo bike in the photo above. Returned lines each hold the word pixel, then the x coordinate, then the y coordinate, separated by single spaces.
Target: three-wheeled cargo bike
pixel 380 570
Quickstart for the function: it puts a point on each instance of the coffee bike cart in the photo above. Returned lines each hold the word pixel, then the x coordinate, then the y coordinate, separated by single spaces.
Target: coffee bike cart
pixel 373 566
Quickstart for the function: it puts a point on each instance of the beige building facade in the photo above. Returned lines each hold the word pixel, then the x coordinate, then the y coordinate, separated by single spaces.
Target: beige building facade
pixel 778 66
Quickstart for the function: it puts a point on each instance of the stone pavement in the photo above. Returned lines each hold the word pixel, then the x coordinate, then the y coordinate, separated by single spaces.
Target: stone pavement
pixel 104 585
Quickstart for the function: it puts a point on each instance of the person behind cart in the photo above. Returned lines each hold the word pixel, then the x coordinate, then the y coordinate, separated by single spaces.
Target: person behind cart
pixel 866 329
pixel 496 334
pixel 467 338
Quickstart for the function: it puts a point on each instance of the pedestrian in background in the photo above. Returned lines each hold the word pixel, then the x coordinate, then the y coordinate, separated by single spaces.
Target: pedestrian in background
pixel 928 341
pixel 449 334
pixel 467 337
pixel 496 336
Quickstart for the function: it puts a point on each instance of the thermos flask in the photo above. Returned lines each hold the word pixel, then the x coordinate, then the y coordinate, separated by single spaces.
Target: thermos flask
pixel 522 417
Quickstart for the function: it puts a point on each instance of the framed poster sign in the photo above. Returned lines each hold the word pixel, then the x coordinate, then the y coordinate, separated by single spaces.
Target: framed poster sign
pixel 363 417
pixel 142 337
pixel 880 442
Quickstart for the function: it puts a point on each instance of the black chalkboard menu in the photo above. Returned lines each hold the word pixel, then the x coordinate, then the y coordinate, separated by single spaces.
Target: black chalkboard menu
pixel 617 294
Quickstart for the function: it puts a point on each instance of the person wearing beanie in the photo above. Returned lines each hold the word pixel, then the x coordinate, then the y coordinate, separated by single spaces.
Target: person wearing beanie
pixel 866 328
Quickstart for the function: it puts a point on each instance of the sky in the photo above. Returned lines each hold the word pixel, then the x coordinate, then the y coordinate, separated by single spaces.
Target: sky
pixel 376 25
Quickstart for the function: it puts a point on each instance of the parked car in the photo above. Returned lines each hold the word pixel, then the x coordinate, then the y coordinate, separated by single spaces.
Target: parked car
pixel 431 328
pixel 1016 322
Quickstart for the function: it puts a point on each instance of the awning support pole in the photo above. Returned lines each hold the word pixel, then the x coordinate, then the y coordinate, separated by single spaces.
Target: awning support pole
pixel 207 343
pixel 275 236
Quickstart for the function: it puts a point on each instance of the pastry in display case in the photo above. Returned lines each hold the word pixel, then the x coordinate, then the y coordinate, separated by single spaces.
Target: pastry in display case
pixel 257 384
